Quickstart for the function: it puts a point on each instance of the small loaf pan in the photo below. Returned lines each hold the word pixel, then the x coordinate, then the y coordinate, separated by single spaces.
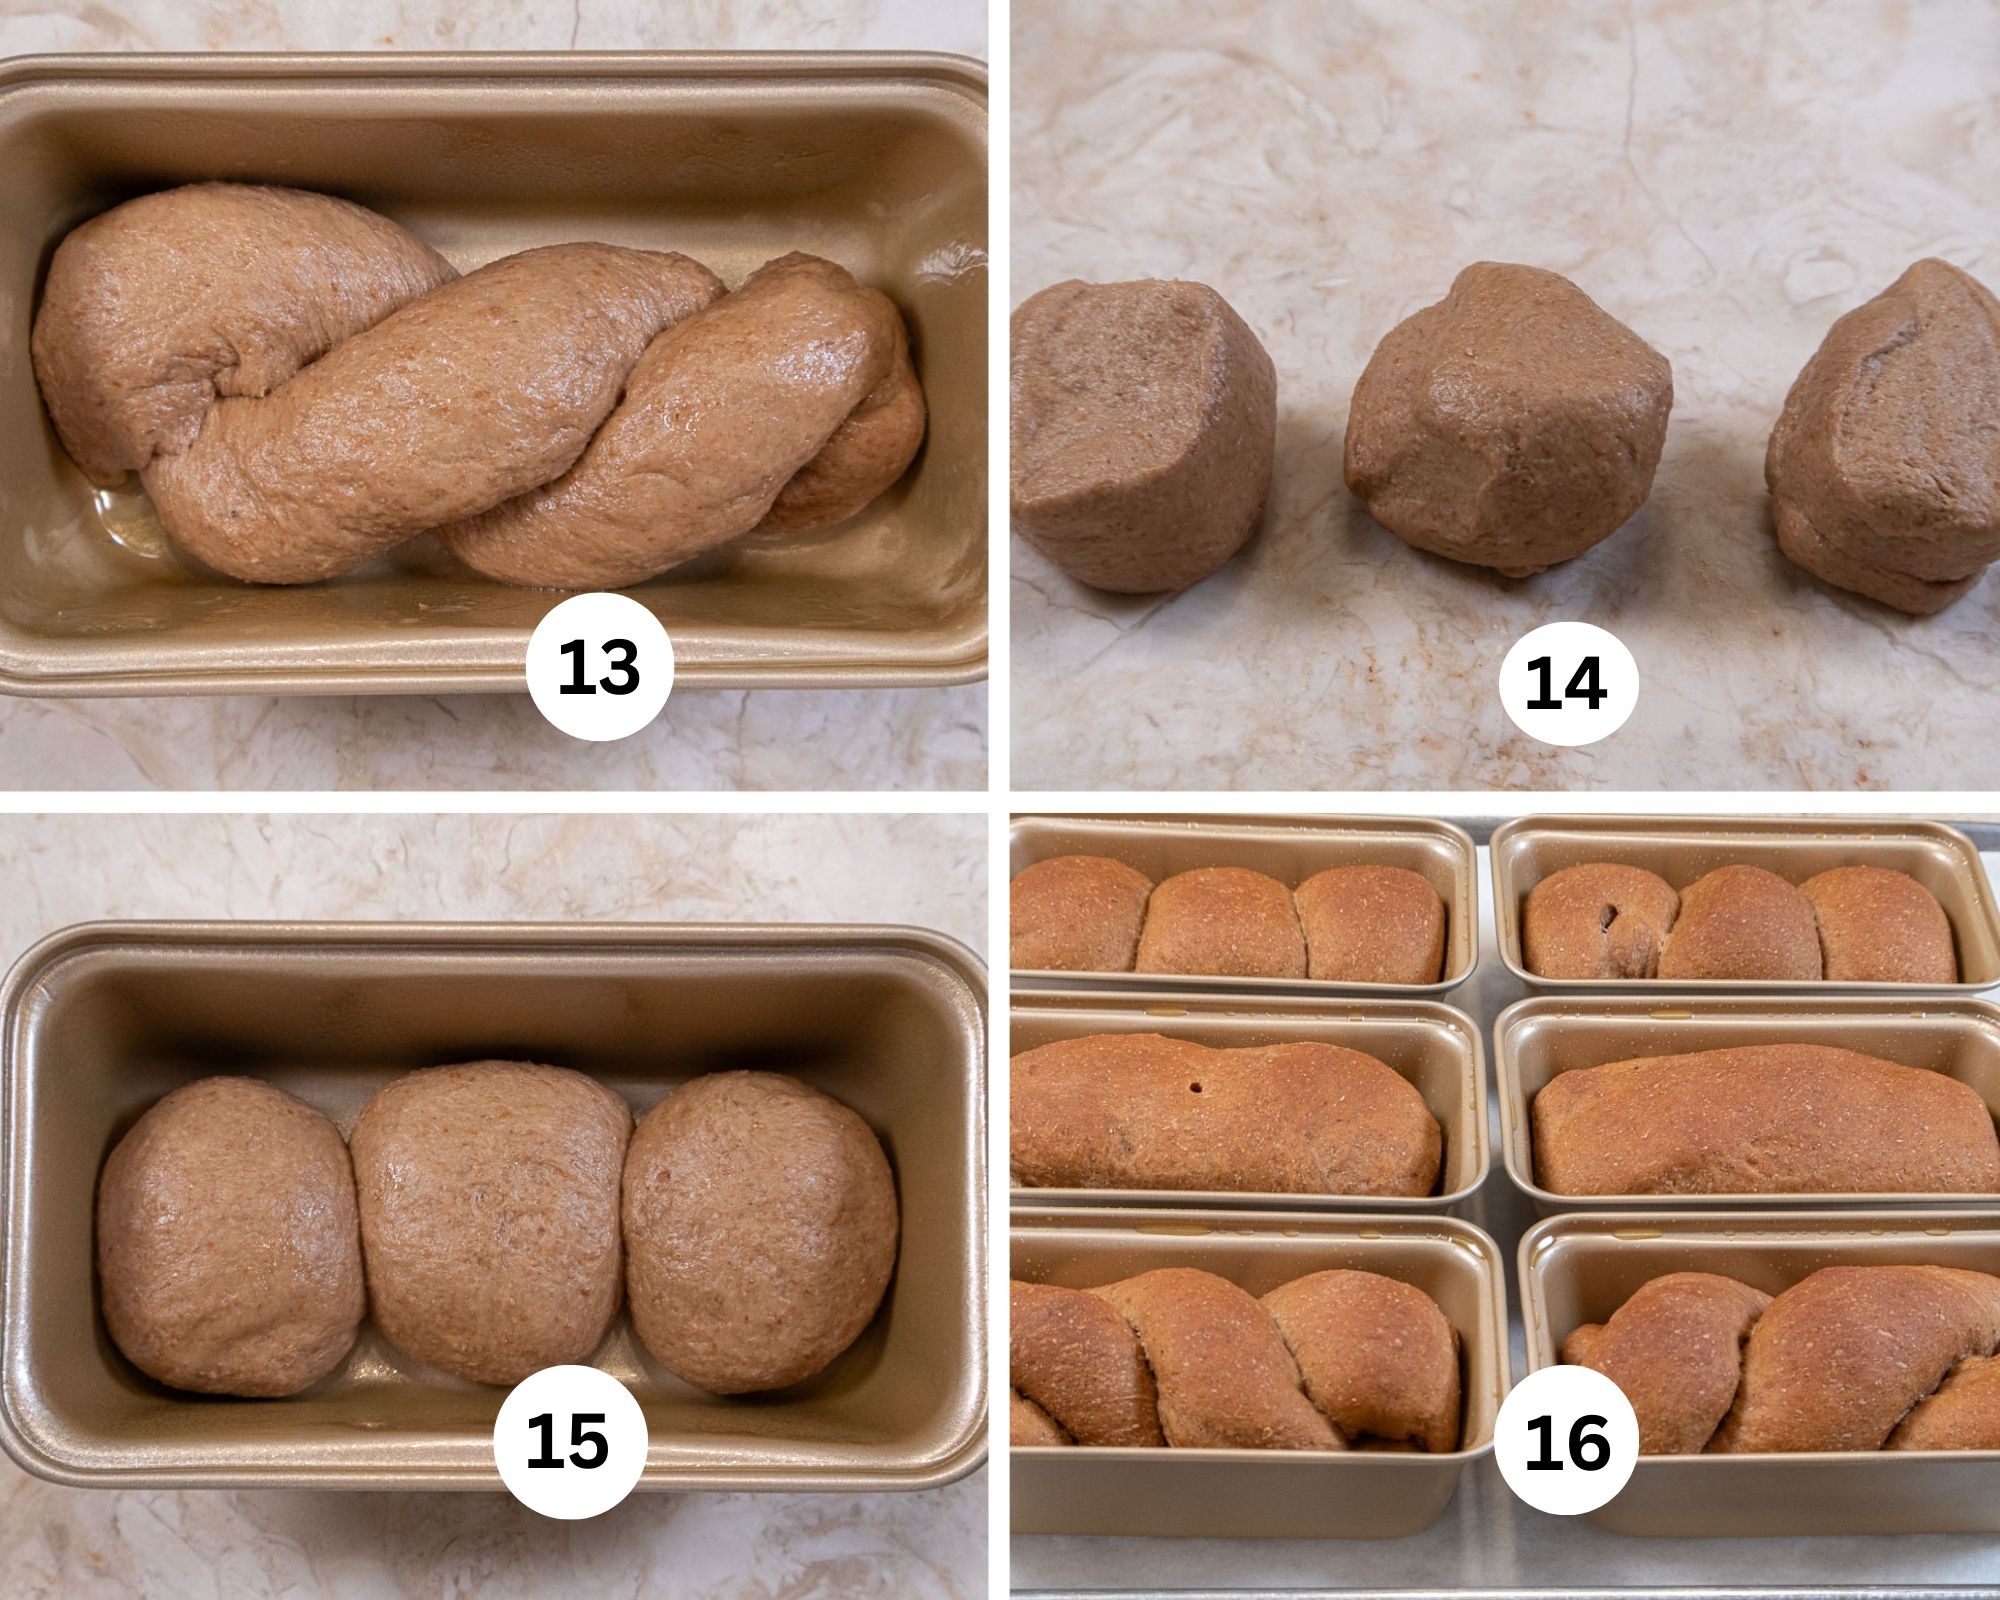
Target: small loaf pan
pixel 1581 1268
pixel 876 161
pixel 1436 1048
pixel 1290 849
pixel 1681 849
pixel 1536 1039
pixel 103 1019
pixel 1262 1494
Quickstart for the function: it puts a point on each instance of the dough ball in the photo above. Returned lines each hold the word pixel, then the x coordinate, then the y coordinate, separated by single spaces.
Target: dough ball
pixel 226 1241
pixel 1884 468
pixel 1145 417
pixel 761 1222
pixel 1512 425
pixel 489 1215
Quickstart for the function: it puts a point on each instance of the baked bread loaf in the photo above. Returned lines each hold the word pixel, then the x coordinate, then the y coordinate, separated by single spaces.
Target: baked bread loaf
pixel 1144 422
pixel 1878 926
pixel 1028 1424
pixel 1962 1413
pixel 1513 425
pixel 1841 1360
pixel 1222 922
pixel 1140 1111
pixel 1076 914
pixel 1597 920
pixel 1329 1361
pixel 1763 1119
pixel 1884 466
pixel 1371 925
pixel 228 1254
pixel 760 1230
pixel 1746 923
pixel 489 1215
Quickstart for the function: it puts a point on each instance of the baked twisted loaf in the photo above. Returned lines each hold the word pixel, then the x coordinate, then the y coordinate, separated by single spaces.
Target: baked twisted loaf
pixel 1850 1358
pixel 303 386
pixel 1184 1358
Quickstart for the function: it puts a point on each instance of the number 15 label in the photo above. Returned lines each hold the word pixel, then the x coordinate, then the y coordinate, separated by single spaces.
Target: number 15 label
pixel 570 1442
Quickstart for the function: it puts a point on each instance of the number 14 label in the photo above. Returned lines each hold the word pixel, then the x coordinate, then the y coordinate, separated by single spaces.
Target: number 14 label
pixel 1569 683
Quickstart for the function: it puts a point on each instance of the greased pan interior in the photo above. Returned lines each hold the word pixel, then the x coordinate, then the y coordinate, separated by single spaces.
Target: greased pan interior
pixel 1437 1049
pixel 1290 849
pixel 1681 849
pixel 1272 1494
pixel 1581 1268
pixel 102 1020
pixel 876 161
pixel 1538 1038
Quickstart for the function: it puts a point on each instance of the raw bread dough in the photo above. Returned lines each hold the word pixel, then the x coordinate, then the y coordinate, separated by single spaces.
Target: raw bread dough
pixel 1884 468
pixel 1145 417
pixel 1512 425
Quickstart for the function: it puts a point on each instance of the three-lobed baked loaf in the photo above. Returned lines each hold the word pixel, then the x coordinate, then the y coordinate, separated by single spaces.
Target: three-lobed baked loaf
pixel 1142 1111
pixel 1847 1358
pixel 1183 1358
pixel 302 386
pixel 1354 924
pixel 502 1211
pixel 1763 1119
pixel 1852 924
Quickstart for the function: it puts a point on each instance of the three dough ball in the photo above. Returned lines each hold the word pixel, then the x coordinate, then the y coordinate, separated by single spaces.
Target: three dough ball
pixel 504 1210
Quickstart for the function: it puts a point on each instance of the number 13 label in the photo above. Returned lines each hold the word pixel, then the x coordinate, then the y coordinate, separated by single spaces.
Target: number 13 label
pixel 600 666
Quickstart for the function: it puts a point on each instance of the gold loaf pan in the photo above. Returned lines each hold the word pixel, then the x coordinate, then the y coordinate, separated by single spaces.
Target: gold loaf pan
pixel 1581 1268
pixel 103 1019
pixel 1680 849
pixel 1262 1494
pixel 876 161
pixel 1537 1038
pixel 1435 1048
pixel 1288 848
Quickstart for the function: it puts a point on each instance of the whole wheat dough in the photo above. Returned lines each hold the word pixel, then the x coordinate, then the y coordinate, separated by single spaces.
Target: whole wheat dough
pixel 1512 425
pixel 227 1247
pixel 489 1215
pixel 760 1227
pixel 1884 466
pixel 1144 422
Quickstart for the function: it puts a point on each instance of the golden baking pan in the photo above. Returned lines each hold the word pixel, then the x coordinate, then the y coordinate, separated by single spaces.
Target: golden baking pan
pixel 1262 1494
pixel 1681 849
pixel 103 1019
pixel 1581 1268
pixel 1435 1048
pixel 876 161
pixel 1288 848
pixel 1537 1038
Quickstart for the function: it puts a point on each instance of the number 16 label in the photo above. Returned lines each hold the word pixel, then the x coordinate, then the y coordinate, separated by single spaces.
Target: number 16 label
pixel 1566 1440
pixel 1569 683
pixel 600 666
pixel 570 1442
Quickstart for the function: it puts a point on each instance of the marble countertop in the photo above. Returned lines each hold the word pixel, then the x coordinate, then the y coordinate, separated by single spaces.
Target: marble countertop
pixel 1727 180
pixel 82 1543
pixel 714 739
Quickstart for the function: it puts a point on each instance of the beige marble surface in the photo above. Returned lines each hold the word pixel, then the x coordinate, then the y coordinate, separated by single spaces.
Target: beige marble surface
pixel 67 1543
pixel 721 739
pixel 1725 177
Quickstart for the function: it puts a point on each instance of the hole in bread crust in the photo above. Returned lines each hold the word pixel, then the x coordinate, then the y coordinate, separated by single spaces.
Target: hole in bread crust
pixel 1194 1088
pixel 1605 918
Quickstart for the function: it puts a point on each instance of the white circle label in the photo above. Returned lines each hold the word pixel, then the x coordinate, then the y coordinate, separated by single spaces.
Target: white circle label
pixel 570 1442
pixel 1566 1440
pixel 600 666
pixel 1569 683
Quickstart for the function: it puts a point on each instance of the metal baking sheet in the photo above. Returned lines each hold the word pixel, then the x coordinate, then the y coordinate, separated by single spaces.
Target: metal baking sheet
pixel 101 1020
pixel 1536 1039
pixel 1681 849
pixel 1288 848
pixel 1487 1545
pixel 1301 1494
pixel 876 161
pixel 1438 1050
pixel 1583 1267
